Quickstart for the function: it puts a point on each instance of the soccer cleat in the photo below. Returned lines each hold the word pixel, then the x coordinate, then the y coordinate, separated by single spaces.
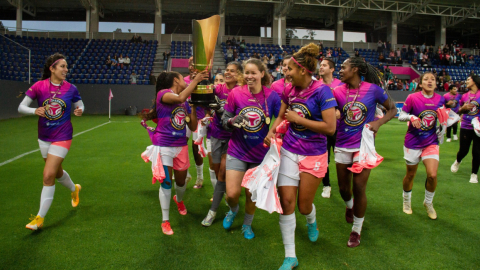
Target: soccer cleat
pixel 211 199
pixel 247 232
pixel 455 166
pixel 181 206
pixel 228 220
pixel 349 215
pixel 326 191
pixel 449 140
pixel 166 229
pixel 75 197
pixel 473 178
pixel 455 138
pixel 198 183
pixel 289 263
pixel 36 223
pixel 354 240
pixel 430 211
pixel 407 206
pixel 208 220
pixel 312 231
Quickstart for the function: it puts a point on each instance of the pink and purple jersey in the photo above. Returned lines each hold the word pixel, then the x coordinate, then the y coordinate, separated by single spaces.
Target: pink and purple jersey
pixel 425 109
pixel 279 86
pixel 456 101
pixel 215 129
pixel 171 127
pixel 246 143
pixel 56 125
pixel 317 98
pixel 335 82
pixel 355 116
pixel 473 99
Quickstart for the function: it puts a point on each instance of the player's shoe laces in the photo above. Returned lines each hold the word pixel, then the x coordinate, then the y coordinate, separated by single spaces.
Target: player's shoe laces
pixel 354 240
pixel 35 224
pixel 473 178
pixel 349 215
pixel 455 166
pixel 228 220
pixel 430 211
pixel 208 220
pixel 198 183
pixel 407 206
pixel 455 138
pixel 312 231
pixel 449 140
pixel 247 232
pixel 166 229
pixel 181 206
pixel 326 191
pixel 289 263
pixel 75 197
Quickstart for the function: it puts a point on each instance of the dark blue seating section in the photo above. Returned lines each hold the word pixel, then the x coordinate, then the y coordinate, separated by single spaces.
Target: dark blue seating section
pixel 181 49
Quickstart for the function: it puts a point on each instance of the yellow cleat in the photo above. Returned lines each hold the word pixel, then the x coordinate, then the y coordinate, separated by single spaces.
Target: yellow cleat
pixel 430 211
pixel 75 197
pixel 35 224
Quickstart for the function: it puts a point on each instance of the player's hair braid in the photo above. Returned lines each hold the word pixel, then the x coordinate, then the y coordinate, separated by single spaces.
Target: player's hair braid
pixel 369 73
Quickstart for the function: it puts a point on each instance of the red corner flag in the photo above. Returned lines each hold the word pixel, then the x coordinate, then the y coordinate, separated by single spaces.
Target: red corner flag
pixel 110 96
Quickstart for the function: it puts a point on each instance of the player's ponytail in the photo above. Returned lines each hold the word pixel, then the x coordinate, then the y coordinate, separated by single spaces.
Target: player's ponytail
pixel 164 81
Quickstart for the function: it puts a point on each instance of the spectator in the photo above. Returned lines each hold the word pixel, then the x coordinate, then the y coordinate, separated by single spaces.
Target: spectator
pixel 446 86
pixel 399 85
pixel 440 84
pixel 235 55
pixel 265 59
pixel 133 78
pixel 379 47
pixel 447 77
pixel 134 39
pixel 404 51
pixel 114 62
pixel 242 46
pixel 234 42
pixel 398 53
pixel 391 85
pixel 388 46
pixel 442 73
pixel 399 61
pixel 279 70
pixel 166 56
pixel 219 70
pixel 121 61
pixel 422 48
pixel 271 63
pixel 391 57
pixel 127 61
pixel 335 55
pixel 381 58
pixel 406 85
pixel 228 42
pixel 413 85
pixel 414 63
pixel 229 55
pixel 357 54
pixel 108 61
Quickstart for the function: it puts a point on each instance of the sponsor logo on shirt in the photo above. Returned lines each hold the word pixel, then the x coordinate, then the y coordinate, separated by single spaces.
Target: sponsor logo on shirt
pixel 256 118
pixel 177 118
pixel 475 108
pixel 56 108
pixel 356 115
pixel 303 111
pixel 428 119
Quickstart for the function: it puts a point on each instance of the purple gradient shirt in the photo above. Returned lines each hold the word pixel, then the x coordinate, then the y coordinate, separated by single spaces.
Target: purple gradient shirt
pixel 56 125
pixel 335 82
pixel 171 127
pixel 455 99
pixel 279 86
pixel 246 143
pixel 298 139
pixel 215 129
pixel 474 112
pixel 352 120
pixel 425 109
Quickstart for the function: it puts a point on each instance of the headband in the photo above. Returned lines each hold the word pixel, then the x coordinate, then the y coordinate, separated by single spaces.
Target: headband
pixel 56 62
pixel 301 65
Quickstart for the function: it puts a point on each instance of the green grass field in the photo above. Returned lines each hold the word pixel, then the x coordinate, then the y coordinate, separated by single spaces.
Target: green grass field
pixel 117 224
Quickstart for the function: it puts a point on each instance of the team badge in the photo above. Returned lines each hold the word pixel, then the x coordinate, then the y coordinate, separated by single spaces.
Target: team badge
pixel 356 114
pixel 475 108
pixel 54 108
pixel 301 110
pixel 178 118
pixel 256 118
pixel 428 119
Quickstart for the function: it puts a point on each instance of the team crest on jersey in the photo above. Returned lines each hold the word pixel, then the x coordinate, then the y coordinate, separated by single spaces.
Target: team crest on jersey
pixel 56 108
pixel 256 118
pixel 356 114
pixel 177 119
pixel 428 119
pixel 303 112
pixel 475 108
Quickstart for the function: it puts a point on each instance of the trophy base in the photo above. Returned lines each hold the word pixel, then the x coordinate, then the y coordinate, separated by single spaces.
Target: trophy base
pixel 203 99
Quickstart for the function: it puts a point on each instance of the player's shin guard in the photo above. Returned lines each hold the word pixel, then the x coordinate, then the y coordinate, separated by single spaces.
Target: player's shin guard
pixel 46 200
pixel 287 226
pixel 180 191
pixel 165 194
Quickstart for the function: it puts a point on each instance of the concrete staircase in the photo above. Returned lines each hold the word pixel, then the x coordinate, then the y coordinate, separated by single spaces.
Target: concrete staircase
pixel 218 59
pixel 158 62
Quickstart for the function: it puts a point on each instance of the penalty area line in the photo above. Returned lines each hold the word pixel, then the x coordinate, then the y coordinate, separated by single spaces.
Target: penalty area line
pixel 36 150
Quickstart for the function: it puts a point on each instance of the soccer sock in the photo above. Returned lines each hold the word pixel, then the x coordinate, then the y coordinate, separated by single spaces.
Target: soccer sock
pixel 429 196
pixel 213 177
pixel 164 195
pixel 407 195
pixel 46 200
pixel 312 216
pixel 199 171
pixel 349 203
pixel 66 181
pixel 220 189
pixel 287 227
pixel 234 209
pixel 247 220
pixel 357 224
pixel 180 191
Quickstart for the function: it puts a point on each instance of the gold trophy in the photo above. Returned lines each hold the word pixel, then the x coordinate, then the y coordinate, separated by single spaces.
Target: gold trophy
pixel 205 34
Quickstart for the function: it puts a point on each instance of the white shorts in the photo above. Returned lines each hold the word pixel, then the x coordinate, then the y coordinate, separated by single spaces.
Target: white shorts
pixel 414 156
pixel 346 155
pixel 176 157
pixel 59 149
pixel 293 164
pixel 209 146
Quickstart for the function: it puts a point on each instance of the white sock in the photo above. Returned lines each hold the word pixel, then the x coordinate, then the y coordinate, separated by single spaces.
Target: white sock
pixel 287 227
pixel 357 224
pixel 165 195
pixel 180 191
pixel 429 196
pixel 349 203
pixel 66 181
pixel 213 178
pixel 46 200
pixel 199 171
pixel 407 195
pixel 312 216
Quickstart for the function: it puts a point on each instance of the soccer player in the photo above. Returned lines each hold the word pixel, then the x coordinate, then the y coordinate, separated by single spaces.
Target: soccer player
pixel 452 99
pixel 357 100
pixel 284 83
pixel 470 108
pixel 421 141
pixel 219 138
pixel 56 97
pixel 309 107
pixel 247 113
pixel 173 115
pixel 327 67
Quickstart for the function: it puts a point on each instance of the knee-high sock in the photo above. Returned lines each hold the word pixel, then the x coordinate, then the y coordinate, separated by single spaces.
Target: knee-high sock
pixel 220 189
pixel 213 178
pixel 46 200
pixel 66 181
pixel 429 196
pixel 287 227
pixel 312 216
pixel 357 224
pixel 165 195
pixel 199 171
pixel 180 191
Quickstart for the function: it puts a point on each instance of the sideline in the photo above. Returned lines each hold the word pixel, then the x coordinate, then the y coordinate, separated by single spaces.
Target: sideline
pixel 33 151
